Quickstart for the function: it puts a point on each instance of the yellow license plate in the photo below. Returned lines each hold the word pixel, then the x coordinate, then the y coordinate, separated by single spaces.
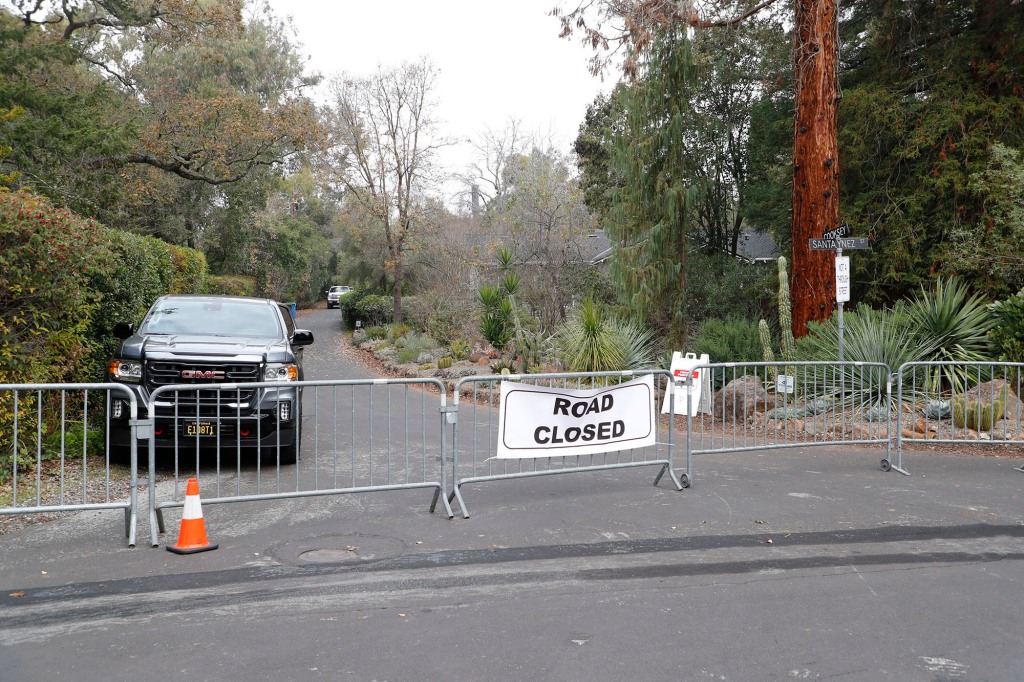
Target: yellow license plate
pixel 200 429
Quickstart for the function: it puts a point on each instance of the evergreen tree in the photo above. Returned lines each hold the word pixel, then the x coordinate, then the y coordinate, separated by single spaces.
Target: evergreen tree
pixel 931 125
pixel 652 210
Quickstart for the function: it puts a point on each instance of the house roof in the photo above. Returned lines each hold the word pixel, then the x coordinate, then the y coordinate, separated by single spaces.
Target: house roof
pixel 756 246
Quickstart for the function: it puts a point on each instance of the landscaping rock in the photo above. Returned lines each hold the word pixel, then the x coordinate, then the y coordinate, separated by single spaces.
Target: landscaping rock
pixel 923 426
pixel 741 397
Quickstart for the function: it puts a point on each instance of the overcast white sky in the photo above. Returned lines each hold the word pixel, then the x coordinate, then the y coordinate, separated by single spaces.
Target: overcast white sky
pixel 496 59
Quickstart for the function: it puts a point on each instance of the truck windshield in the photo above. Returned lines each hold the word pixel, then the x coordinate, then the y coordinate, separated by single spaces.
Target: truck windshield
pixel 211 317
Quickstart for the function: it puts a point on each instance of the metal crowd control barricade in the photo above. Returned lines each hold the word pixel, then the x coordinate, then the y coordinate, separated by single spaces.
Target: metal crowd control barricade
pixel 474 413
pixel 760 405
pixel 57 433
pixel 960 402
pixel 355 436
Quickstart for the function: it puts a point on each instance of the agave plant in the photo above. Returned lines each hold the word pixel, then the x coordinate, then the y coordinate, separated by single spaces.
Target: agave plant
pixel 592 341
pixel 869 336
pixel 953 326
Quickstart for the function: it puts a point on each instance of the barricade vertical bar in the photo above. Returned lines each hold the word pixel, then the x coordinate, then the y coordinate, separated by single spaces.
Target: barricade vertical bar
pixel 39 447
pixel 14 460
pixel 63 462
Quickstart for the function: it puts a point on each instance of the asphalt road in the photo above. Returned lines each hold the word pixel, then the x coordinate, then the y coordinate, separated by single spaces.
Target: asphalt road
pixel 776 565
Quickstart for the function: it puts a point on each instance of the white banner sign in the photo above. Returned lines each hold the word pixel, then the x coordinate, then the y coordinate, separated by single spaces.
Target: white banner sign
pixel 536 421
pixel 699 391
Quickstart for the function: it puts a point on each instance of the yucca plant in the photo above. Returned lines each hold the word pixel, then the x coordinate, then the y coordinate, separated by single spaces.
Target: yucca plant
pixel 501 321
pixel 495 317
pixel 953 326
pixel 592 341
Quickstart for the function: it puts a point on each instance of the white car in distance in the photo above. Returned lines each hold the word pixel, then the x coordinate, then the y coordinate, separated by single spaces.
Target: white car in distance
pixel 335 293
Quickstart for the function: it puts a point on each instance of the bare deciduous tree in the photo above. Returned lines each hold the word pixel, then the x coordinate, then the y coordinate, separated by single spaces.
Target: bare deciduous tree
pixel 487 173
pixel 383 149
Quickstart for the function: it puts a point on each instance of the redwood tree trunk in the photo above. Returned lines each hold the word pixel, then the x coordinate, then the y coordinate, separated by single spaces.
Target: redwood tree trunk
pixel 815 161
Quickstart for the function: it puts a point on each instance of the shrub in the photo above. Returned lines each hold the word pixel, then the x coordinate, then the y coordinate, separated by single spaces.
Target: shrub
pixel 591 341
pixel 733 339
pixel 376 333
pixel 49 259
pixel 406 355
pixel 397 331
pixel 143 273
pixel 416 341
pixel 231 285
pixel 870 336
pixel 721 286
pixel 1006 337
pixel 460 349
pixel 188 270
pixel 372 309
pixel 950 327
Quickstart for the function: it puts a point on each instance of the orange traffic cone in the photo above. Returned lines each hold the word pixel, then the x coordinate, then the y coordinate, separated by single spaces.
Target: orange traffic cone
pixel 192 536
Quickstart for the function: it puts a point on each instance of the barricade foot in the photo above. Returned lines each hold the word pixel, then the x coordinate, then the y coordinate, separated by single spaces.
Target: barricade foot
pixel 672 474
pixel 888 466
pixel 462 504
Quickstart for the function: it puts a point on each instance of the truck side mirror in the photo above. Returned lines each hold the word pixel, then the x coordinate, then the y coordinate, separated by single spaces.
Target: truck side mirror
pixel 123 330
pixel 302 337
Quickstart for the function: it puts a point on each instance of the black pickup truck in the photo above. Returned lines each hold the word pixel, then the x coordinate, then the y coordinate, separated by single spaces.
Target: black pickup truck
pixel 211 348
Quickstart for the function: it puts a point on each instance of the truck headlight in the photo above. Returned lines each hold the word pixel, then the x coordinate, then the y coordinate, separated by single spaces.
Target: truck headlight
pixel 281 372
pixel 126 370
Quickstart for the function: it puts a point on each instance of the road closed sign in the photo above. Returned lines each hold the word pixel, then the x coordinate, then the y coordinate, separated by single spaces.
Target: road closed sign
pixel 537 421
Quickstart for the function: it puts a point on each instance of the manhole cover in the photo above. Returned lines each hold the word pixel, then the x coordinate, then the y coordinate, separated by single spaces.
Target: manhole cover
pixel 340 549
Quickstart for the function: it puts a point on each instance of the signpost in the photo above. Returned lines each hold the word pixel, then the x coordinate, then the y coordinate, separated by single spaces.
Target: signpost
pixel 837 240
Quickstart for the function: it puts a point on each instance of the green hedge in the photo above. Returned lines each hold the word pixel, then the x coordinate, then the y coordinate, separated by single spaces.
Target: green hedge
pixel 375 309
pixel 50 262
pixel 188 270
pixel 143 273
pixel 64 282
pixel 371 308
pixel 231 285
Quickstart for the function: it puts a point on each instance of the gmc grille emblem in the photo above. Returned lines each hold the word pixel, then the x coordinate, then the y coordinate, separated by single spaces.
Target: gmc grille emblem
pixel 212 374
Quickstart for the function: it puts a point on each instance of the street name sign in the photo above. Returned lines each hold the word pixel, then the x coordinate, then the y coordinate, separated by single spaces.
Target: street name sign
pixel 841 231
pixel 839 243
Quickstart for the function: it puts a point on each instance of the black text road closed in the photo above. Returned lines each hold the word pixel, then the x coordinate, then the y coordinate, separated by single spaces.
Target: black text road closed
pixel 537 421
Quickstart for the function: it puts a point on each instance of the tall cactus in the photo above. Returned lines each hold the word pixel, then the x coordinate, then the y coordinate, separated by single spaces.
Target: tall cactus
pixel 766 346
pixel 785 313
pixel 788 343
